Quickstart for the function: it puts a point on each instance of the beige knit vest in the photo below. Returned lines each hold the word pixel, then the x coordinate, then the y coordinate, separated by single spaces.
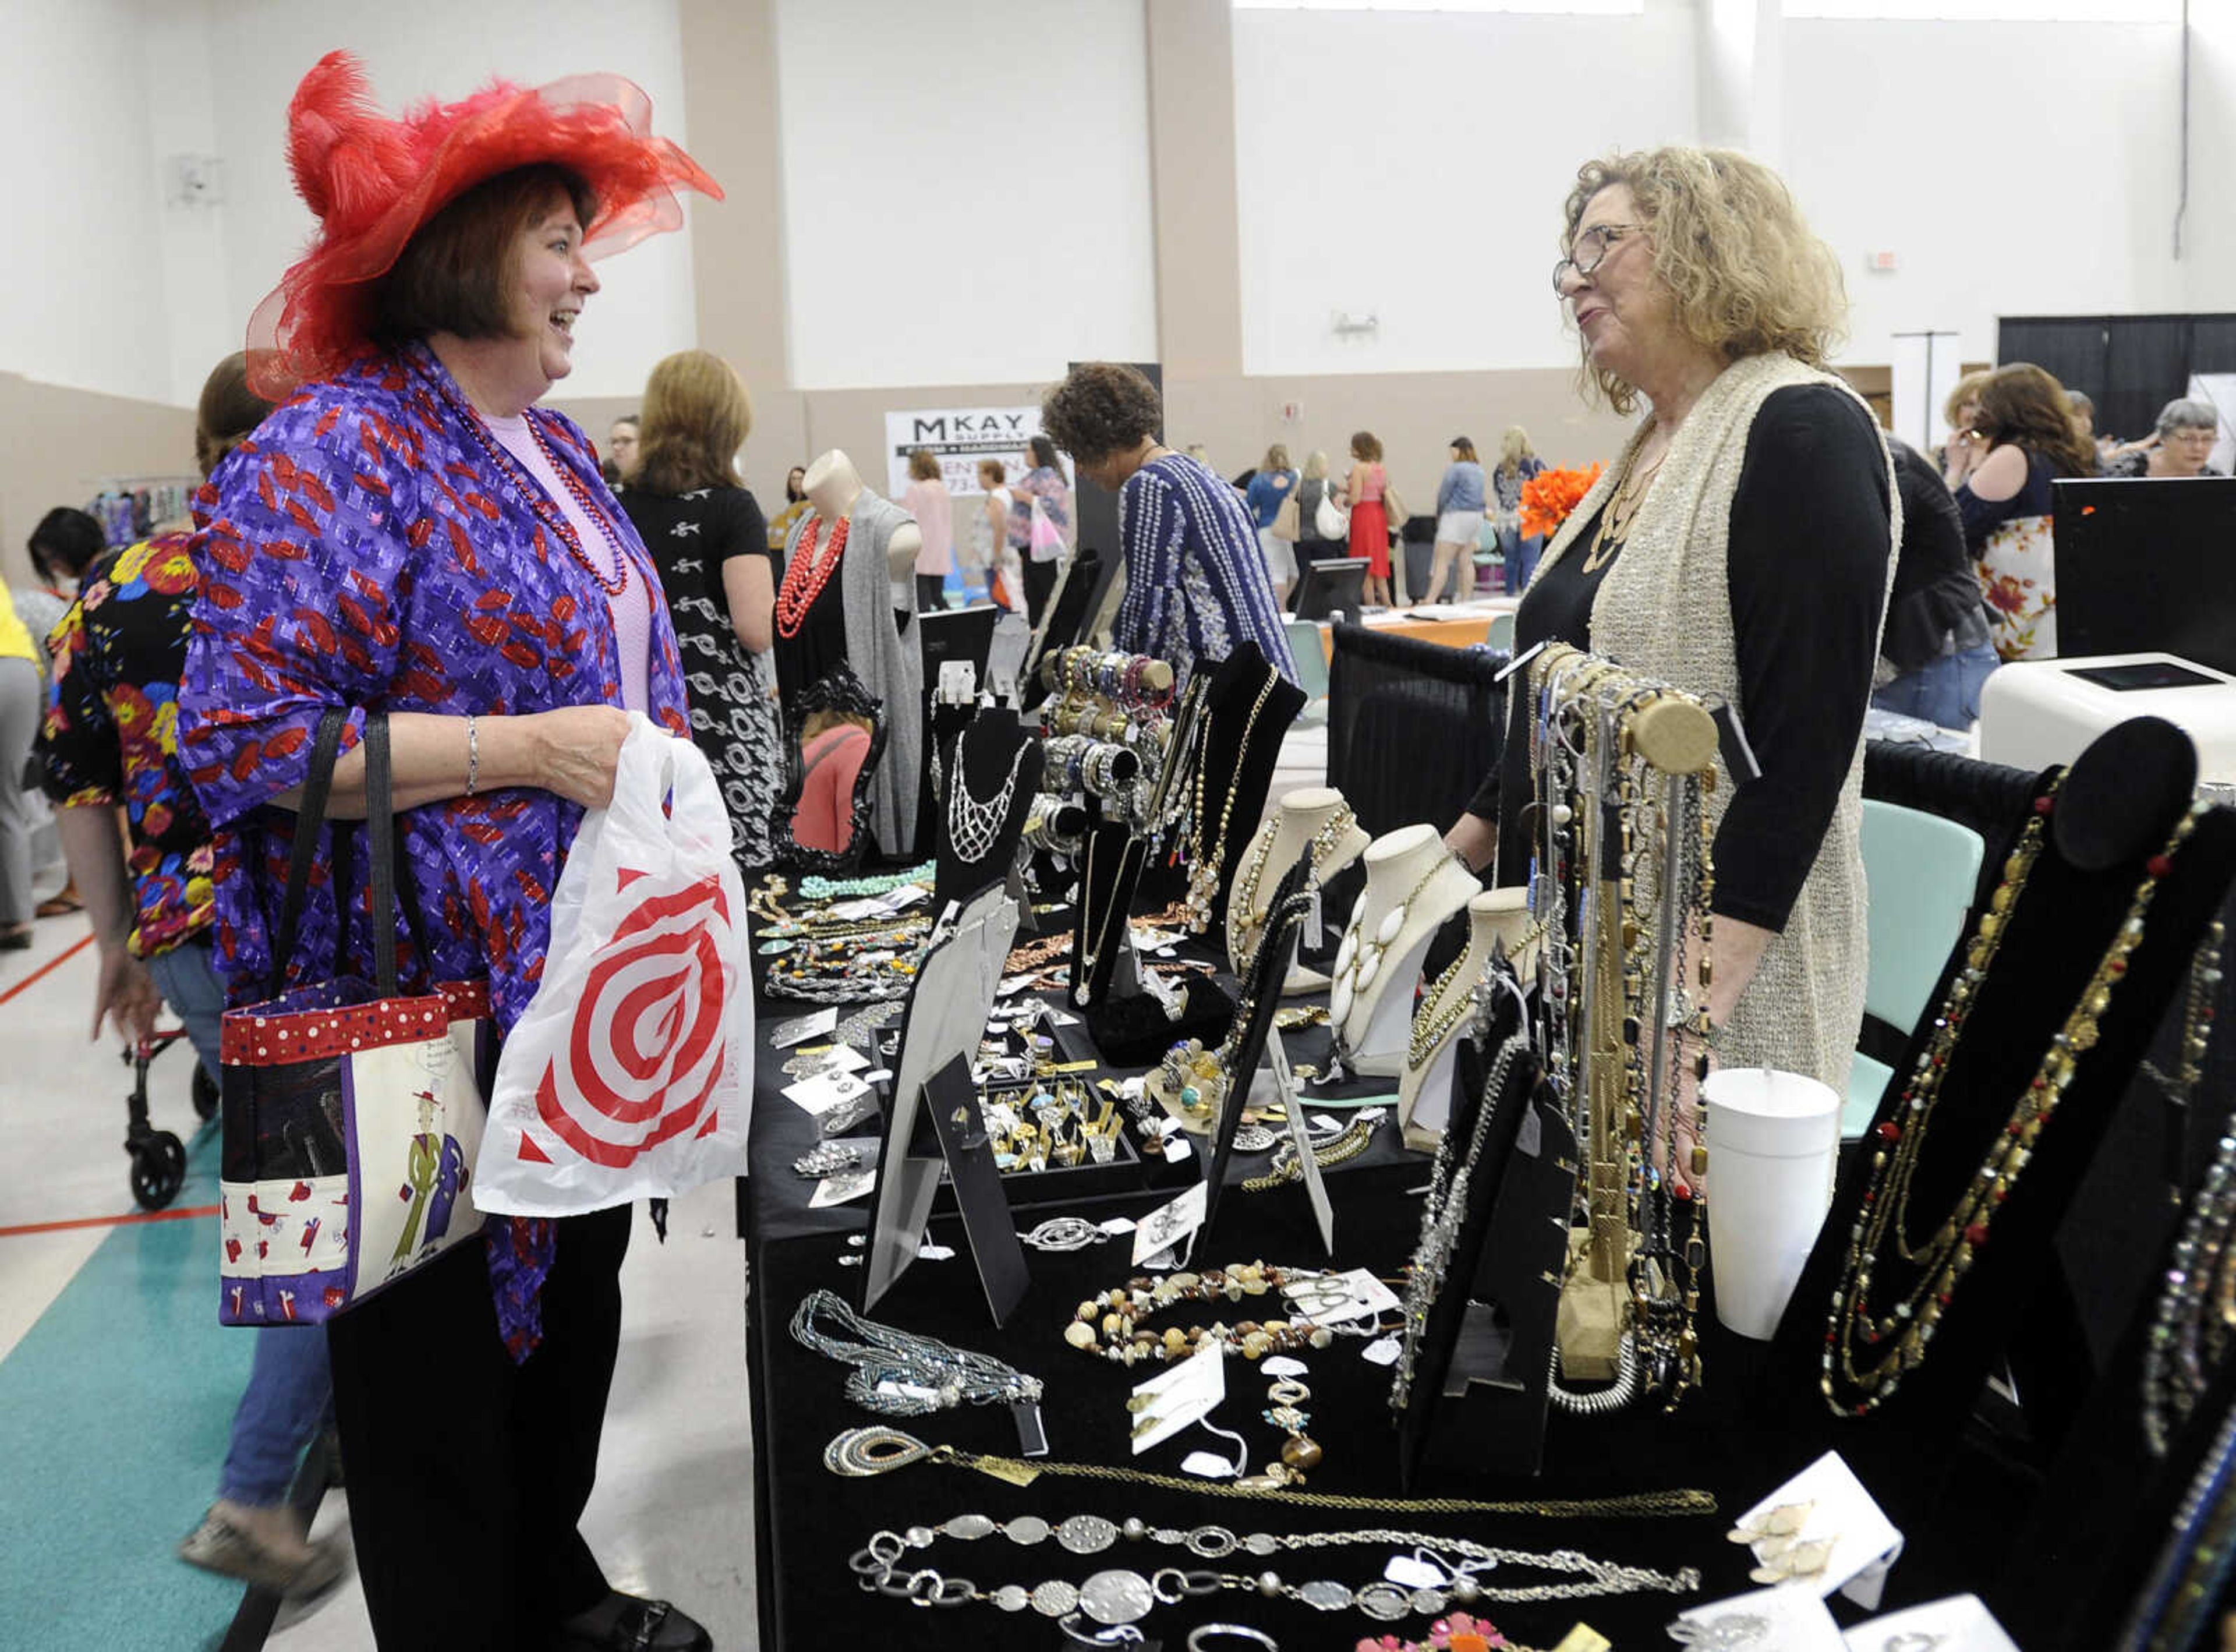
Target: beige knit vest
pixel 1664 609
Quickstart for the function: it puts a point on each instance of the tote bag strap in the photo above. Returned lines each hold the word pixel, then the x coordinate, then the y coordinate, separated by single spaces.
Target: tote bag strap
pixel 310 825
pixel 381 834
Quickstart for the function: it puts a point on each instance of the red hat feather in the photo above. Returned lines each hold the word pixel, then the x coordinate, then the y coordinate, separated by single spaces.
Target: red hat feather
pixel 372 182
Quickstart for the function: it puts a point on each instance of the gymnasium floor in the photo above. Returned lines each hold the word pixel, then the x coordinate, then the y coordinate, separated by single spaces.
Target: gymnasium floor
pixel 117 1385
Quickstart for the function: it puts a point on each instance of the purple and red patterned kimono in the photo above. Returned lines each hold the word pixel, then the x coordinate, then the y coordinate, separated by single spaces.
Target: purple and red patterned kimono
pixel 363 551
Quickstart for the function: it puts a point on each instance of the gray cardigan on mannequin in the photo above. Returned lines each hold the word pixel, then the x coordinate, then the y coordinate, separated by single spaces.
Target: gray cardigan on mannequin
pixel 889 665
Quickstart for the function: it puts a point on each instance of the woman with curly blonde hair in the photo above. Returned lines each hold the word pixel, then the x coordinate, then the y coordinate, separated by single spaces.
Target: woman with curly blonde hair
pixel 1739 547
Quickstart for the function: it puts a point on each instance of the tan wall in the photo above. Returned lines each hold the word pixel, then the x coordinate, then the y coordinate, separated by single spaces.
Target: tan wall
pixel 60 445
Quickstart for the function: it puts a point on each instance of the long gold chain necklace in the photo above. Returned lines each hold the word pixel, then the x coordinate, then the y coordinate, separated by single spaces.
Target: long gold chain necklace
pixel 1207 863
pixel 1907 1328
pixel 859 1453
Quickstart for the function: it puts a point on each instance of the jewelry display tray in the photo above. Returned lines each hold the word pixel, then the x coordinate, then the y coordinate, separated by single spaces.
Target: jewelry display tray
pixel 1060 1184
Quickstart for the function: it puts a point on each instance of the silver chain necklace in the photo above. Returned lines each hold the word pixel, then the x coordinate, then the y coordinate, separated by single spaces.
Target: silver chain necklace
pixel 973 826
pixel 898 1373
pixel 1123 1595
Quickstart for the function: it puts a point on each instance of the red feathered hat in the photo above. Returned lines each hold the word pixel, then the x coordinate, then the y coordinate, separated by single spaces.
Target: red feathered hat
pixel 373 181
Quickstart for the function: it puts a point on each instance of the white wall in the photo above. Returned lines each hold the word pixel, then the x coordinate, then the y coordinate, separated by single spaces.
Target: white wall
pixel 1412 165
pixel 966 189
pixel 86 303
pixel 2016 170
pixel 414 48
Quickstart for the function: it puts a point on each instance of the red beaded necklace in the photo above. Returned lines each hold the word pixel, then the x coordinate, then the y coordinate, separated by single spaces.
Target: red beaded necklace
pixel 546 509
pixel 805 576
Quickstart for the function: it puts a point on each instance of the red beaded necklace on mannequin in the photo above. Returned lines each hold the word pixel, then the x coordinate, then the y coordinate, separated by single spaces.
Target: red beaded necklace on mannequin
pixel 806 576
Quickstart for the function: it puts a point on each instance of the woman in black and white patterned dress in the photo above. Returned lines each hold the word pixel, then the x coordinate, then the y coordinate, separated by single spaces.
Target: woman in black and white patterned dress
pixel 703 528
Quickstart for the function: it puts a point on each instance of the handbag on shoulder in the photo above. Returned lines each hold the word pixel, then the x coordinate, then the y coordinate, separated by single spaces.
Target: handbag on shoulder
pixel 352 1111
pixel 1288 521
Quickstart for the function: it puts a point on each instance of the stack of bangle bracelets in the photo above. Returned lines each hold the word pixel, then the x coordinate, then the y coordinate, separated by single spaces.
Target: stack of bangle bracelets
pixel 1622 885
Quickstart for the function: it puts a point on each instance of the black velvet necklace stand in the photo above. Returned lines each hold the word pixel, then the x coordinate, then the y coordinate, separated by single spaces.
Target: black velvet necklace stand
pixel 983 754
pixel 1238 755
pixel 2114 811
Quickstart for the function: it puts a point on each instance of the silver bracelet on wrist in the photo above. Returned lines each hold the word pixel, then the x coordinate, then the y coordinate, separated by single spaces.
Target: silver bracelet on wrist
pixel 473 755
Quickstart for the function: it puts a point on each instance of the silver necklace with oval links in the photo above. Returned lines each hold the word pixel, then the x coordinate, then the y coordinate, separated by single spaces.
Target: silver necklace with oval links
pixel 1122 1596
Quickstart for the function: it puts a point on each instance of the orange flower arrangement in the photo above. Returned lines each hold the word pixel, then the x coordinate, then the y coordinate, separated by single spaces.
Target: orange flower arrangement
pixel 1549 497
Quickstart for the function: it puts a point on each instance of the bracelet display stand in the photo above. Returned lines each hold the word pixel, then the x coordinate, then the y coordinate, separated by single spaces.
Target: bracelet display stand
pixel 1413 885
pixel 2108 828
pixel 1498 924
pixel 991 779
pixel 1314 818
pixel 1476 1382
pixel 934 1121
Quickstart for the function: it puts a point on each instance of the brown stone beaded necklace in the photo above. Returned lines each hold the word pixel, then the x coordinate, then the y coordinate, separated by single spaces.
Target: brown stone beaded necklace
pixel 1110 1325
pixel 1868 1351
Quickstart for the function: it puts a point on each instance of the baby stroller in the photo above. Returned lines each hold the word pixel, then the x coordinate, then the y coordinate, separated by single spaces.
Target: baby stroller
pixel 159 1158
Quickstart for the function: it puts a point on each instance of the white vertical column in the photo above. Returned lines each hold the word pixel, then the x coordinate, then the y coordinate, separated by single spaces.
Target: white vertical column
pixel 1742 70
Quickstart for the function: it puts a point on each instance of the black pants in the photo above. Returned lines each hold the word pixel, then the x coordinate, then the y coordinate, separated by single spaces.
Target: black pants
pixel 1039 584
pixel 930 593
pixel 468 1473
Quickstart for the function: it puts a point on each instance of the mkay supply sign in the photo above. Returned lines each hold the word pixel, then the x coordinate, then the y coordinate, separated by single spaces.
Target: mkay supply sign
pixel 959 438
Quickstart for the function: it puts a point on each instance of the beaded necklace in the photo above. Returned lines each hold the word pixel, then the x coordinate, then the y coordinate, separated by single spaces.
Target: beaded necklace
pixel 2190 1325
pixel 1907 1326
pixel 1359 960
pixel 1108 1326
pixel 540 502
pixel 1207 863
pixel 807 575
pixel 1249 920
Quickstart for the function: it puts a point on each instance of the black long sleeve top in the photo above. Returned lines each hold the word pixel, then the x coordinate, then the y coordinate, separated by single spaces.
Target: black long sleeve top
pixel 1808 572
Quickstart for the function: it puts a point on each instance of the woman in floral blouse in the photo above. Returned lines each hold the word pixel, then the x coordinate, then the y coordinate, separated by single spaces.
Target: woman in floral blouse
pixel 410 533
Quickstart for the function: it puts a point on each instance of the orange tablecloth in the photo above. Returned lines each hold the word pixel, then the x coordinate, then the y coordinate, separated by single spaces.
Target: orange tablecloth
pixel 1462 631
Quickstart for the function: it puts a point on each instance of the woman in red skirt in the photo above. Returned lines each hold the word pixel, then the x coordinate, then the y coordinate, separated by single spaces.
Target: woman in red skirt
pixel 1370 517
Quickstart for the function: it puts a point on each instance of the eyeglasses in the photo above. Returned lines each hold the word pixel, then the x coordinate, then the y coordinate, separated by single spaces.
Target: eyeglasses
pixel 1588 252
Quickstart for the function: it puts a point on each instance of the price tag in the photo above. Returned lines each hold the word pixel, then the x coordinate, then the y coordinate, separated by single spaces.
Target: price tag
pixel 1117 1227
pixel 1179 1396
pixel 1368 1295
pixel 1383 1350
pixel 1209 1465
pixel 801 1030
pixel 1170 1224
pixel 1281 1366
pixel 1410 1573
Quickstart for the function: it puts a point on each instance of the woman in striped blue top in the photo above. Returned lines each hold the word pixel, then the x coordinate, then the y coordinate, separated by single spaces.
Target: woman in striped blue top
pixel 1196 584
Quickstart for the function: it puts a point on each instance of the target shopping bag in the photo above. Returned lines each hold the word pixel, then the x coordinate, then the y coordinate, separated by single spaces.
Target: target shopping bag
pixel 629 1076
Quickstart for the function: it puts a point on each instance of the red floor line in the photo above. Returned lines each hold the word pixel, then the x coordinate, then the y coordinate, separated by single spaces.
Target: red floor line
pixel 44 971
pixel 185 1213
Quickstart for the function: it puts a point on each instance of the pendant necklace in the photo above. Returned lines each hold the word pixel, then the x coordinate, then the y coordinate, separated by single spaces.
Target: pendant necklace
pixel 1620 512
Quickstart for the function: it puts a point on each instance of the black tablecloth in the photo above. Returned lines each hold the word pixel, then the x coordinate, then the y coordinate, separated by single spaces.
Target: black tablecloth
pixel 810 1521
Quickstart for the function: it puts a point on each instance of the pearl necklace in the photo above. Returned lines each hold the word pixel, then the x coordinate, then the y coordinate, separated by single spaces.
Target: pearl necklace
pixel 1359 960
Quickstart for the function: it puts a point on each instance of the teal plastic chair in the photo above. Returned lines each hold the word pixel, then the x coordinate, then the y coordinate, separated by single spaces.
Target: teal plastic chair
pixel 1923 870
pixel 1311 669
pixel 1502 632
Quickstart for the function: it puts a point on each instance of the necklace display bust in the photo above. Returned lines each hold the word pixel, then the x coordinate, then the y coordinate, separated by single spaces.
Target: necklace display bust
pixel 1413 884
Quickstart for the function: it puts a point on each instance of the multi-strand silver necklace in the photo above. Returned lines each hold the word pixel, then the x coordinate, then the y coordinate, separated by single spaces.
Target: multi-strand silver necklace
pixel 975 826
pixel 1445 1211
pixel 1118 1596
pixel 898 1374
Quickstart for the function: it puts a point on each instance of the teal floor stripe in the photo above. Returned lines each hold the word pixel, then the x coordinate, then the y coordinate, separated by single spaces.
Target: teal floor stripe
pixel 114 1410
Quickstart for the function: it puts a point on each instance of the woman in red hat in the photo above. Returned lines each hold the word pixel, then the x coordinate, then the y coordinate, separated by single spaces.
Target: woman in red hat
pixel 408 531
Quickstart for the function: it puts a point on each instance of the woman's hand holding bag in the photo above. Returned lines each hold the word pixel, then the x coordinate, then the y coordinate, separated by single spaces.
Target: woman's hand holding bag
pixel 630 1073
